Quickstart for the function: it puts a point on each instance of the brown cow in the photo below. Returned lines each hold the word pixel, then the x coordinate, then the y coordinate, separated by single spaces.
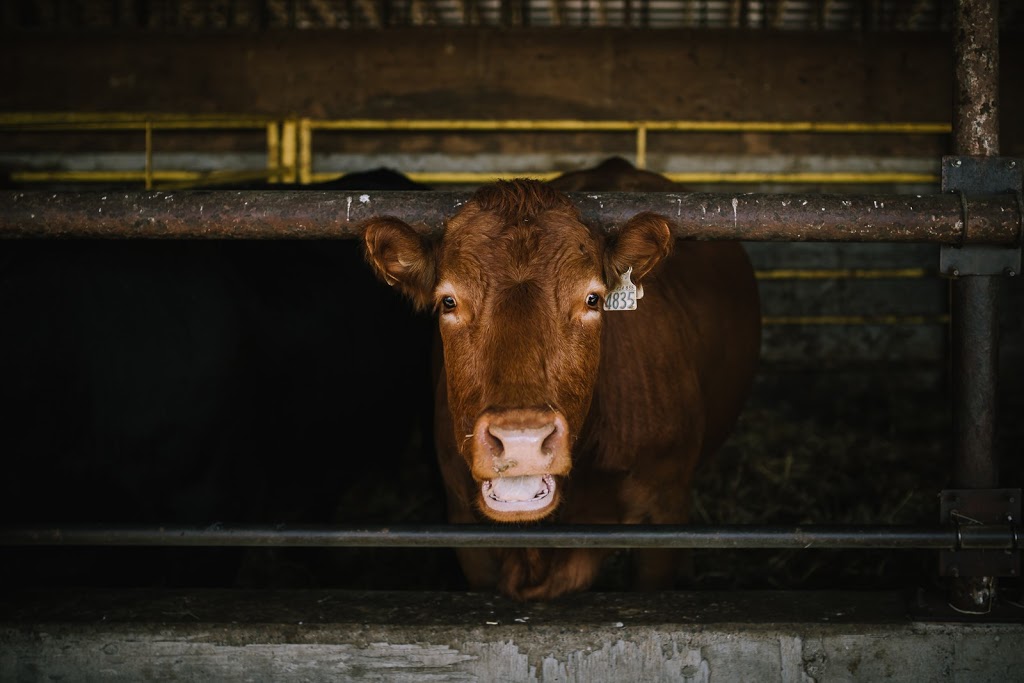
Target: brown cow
pixel 549 407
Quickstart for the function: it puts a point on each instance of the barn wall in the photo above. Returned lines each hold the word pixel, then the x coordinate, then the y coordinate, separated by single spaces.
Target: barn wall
pixel 505 73
pixel 489 72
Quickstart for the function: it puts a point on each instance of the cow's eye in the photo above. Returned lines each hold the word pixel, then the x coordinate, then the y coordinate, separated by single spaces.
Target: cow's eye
pixel 448 302
pixel 593 299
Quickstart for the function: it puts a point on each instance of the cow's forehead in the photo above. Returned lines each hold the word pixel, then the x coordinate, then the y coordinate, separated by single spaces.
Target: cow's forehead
pixel 553 238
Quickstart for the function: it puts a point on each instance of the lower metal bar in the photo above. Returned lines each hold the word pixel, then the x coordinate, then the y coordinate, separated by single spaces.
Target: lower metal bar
pixel 989 537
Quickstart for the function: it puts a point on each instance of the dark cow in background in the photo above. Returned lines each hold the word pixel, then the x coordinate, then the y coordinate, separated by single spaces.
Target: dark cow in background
pixel 614 174
pixel 204 381
pixel 549 408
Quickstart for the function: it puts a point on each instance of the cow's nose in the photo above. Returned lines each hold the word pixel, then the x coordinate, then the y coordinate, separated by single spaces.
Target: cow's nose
pixel 512 443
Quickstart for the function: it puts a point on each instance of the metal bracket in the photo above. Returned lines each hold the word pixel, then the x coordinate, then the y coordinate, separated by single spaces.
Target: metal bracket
pixel 966 507
pixel 981 175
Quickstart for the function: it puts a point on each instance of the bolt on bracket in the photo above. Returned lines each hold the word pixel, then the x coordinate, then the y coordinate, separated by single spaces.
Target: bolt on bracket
pixel 968 175
pixel 969 507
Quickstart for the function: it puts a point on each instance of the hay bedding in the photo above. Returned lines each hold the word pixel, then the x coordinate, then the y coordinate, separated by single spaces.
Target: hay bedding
pixel 787 467
pixel 839 448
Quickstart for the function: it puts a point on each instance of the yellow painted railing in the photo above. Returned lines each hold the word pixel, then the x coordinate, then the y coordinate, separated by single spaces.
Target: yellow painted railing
pixel 842 274
pixel 851 274
pixel 640 128
pixel 148 123
pixel 289 145
pixel 856 320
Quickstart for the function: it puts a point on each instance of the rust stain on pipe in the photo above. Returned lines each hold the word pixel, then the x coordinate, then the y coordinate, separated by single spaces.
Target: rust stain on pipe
pixel 976 78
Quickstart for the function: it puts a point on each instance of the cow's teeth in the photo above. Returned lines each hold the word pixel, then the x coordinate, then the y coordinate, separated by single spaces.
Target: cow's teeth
pixel 511 494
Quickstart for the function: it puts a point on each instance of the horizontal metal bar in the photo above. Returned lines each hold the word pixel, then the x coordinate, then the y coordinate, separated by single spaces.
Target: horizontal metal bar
pixel 735 177
pixel 86 122
pixel 73 120
pixel 807 177
pixel 843 273
pixel 309 214
pixel 466 178
pixel 922 128
pixel 937 319
pixel 620 125
pixel 164 176
pixel 991 537
pixel 130 126
pixel 77 117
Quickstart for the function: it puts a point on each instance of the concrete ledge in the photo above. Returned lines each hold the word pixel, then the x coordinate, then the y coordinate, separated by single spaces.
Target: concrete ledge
pixel 411 636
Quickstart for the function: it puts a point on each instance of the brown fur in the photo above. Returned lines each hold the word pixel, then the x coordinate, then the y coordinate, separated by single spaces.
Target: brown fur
pixel 635 399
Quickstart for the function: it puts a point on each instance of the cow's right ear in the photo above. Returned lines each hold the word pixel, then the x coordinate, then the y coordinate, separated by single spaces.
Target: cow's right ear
pixel 643 242
pixel 401 257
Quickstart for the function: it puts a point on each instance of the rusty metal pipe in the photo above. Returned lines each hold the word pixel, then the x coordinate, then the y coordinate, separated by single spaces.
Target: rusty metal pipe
pixel 975 325
pixel 288 214
pixel 976 78
pixel 975 348
pixel 974 322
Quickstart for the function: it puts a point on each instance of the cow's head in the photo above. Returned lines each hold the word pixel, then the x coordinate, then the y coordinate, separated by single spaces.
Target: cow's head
pixel 518 283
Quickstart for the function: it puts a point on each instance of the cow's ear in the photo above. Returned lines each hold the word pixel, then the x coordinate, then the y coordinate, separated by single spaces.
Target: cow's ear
pixel 640 244
pixel 401 257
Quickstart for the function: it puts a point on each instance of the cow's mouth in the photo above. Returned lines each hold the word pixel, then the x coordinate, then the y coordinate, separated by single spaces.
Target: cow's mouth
pixel 518 494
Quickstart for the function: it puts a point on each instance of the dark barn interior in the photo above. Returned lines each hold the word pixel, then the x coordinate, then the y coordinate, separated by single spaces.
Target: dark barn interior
pixel 276 382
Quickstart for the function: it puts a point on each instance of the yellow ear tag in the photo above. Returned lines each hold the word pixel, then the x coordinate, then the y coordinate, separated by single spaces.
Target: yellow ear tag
pixel 625 294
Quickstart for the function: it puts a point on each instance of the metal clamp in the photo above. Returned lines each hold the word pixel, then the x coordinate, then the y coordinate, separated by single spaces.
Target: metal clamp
pixel 975 507
pixel 982 175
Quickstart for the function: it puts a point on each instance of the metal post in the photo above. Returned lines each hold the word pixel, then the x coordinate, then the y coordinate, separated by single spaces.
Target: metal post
pixel 974 316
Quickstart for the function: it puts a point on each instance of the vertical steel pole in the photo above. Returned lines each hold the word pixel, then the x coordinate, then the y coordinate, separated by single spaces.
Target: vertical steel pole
pixel 974 320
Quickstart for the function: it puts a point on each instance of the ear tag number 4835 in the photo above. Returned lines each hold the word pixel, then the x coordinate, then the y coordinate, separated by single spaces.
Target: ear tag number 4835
pixel 624 296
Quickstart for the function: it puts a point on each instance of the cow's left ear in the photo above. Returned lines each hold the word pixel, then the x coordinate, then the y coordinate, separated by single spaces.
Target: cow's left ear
pixel 401 257
pixel 640 244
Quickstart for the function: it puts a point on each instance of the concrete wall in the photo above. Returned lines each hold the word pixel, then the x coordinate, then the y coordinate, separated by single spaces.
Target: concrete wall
pixel 345 636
